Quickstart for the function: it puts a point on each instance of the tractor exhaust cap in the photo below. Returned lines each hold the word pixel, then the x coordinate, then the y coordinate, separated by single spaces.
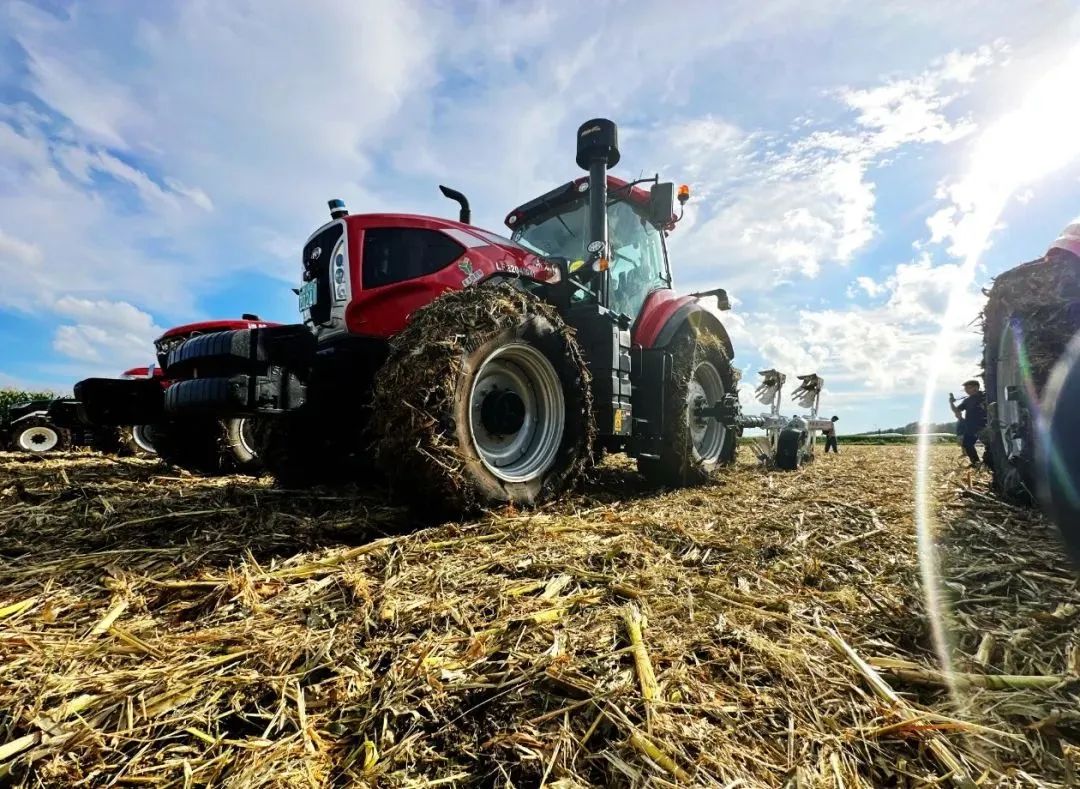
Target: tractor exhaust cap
pixel 597 139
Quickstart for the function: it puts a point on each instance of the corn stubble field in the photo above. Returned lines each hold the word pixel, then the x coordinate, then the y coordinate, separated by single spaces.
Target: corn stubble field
pixel 768 630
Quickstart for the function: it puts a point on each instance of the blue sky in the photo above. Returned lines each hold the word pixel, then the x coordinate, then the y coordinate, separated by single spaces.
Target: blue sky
pixel 164 162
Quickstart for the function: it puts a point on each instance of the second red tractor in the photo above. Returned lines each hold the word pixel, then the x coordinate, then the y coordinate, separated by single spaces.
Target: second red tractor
pixel 133 404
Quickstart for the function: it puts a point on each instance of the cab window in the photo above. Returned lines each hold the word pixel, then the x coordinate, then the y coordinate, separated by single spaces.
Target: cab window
pixel 637 262
pixel 637 259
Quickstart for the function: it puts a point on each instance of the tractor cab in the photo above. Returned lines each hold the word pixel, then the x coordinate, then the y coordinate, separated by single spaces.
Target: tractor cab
pixel 556 225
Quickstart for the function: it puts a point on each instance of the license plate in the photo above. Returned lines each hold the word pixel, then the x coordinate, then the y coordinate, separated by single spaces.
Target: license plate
pixel 309 294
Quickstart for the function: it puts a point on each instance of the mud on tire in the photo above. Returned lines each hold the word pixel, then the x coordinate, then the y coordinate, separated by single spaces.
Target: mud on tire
pixel 1031 312
pixel 438 408
pixel 680 462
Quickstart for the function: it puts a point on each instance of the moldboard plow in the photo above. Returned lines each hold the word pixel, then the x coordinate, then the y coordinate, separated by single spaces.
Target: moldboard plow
pixel 788 441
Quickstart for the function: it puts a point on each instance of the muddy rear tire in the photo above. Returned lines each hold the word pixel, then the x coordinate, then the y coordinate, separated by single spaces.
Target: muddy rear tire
pixel 484 400
pixel 1009 435
pixel 1032 311
pixel 693 448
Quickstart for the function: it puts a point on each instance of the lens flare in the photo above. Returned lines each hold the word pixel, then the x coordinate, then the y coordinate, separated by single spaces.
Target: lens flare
pixel 1017 149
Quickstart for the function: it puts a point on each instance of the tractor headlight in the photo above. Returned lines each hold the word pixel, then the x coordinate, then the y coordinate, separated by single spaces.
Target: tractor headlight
pixel 338 273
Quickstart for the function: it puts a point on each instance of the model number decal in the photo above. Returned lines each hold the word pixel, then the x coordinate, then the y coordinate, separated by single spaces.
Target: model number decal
pixel 537 269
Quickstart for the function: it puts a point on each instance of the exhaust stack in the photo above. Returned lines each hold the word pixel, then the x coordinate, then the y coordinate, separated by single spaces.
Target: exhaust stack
pixel 465 214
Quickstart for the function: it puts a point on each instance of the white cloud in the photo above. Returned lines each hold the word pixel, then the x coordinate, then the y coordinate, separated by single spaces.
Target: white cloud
pixel 868 286
pixel 783 206
pixel 903 111
pixel 17 251
pixel 104 331
pixel 880 351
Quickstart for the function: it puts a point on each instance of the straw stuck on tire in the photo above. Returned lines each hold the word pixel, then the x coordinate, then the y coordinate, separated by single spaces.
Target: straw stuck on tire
pixel 693 448
pixel 484 400
pixel 1031 312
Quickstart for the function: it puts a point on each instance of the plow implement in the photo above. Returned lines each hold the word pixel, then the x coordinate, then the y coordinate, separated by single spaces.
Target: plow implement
pixel 789 440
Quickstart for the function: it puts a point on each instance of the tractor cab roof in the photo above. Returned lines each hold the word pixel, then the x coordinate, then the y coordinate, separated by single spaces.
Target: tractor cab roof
pixel 617 189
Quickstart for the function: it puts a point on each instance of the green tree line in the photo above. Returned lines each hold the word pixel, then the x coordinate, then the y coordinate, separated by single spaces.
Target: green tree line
pixel 13 397
pixel 913 428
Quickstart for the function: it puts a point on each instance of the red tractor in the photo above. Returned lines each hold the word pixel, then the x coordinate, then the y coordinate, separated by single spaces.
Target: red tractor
pixel 133 403
pixel 477 369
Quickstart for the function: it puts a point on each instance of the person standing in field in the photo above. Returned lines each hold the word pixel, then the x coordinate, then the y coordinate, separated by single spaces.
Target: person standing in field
pixel 830 436
pixel 971 415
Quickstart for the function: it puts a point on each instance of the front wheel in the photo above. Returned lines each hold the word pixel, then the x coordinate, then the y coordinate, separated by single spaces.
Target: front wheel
pixel 693 445
pixel 125 441
pixel 484 400
pixel 39 435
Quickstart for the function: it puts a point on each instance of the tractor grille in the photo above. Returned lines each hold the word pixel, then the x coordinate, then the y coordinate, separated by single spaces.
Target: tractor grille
pixel 316 263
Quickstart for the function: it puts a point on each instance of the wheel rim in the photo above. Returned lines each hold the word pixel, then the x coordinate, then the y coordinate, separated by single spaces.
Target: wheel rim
pixel 1009 376
pixel 246 433
pixel 706 389
pixel 142 436
pixel 38 439
pixel 517 413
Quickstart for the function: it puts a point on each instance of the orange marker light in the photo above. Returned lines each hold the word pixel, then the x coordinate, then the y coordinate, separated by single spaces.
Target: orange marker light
pixel 684 193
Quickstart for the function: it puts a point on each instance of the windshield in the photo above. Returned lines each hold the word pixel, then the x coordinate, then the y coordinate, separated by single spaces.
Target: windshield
pixel 637 249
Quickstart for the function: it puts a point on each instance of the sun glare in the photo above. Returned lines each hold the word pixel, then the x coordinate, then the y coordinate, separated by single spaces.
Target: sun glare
pixel 1022 146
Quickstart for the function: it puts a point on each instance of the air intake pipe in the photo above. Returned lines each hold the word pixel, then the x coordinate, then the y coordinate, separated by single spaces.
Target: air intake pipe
pixel 597 150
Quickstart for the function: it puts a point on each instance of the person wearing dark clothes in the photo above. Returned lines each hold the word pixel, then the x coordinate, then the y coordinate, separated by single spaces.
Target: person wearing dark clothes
pixel 971 413
pixel 830 436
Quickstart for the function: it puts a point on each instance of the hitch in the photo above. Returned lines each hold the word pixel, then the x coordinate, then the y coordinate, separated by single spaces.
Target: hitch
pixel 725 410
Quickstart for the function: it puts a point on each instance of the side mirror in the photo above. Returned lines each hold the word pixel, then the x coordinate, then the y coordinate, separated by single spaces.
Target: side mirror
pixel 662 204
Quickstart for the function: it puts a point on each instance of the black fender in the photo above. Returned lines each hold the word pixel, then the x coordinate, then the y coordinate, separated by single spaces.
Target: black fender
pixel 699 318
